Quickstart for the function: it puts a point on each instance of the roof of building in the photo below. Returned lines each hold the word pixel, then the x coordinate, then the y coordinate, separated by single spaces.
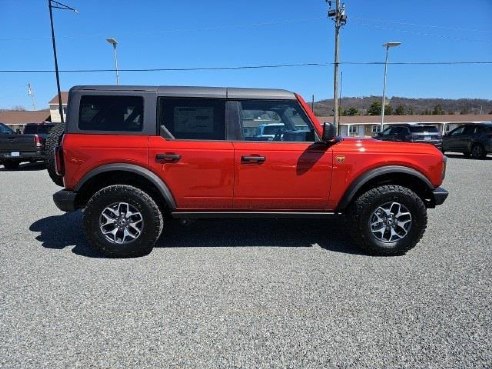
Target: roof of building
pixel 64 95
pixel 376 119
pixel 22 117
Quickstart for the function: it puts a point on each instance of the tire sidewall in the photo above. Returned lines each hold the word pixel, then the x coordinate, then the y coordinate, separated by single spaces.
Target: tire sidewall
pixel 140 246
pixel 415 230
pixel 53 140
pixel 477 151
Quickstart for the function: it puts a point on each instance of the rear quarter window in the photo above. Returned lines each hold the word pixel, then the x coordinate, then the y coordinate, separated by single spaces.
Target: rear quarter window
pixel 111 113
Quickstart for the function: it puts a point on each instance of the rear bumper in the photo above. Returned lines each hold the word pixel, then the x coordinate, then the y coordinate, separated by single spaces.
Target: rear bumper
pixel 23 156
pixel 65 200
pixel 440 195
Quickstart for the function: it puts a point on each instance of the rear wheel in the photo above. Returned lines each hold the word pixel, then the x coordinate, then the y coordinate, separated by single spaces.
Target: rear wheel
pixel 478 152
pixel 122 221
pixel 387 220
pixel 53 140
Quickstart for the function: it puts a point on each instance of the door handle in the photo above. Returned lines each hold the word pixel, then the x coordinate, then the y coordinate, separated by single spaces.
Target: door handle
pixel 252 159
pixel 167 158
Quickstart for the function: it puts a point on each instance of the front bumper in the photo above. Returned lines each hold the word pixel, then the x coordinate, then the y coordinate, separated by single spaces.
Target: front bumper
pixel 65 200
pixel 440 195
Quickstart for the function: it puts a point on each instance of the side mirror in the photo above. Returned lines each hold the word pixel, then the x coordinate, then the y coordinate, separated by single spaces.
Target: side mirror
pixel 329 132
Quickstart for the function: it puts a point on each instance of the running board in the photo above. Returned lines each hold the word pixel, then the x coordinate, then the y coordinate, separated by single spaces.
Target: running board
pixel 248 214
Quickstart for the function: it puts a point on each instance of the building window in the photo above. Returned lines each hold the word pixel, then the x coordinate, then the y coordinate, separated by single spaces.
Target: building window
pixel 376 128
pixel 353 130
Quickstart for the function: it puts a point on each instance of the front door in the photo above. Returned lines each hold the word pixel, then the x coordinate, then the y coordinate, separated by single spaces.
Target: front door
pixel 289 171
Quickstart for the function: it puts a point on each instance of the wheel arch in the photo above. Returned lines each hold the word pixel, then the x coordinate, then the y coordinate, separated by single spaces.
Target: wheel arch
pixel 393 174
pixel 128 174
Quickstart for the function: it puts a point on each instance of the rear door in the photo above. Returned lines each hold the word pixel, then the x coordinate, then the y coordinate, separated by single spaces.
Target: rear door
pixel 451 140
pixel 291 172
pixel 192 153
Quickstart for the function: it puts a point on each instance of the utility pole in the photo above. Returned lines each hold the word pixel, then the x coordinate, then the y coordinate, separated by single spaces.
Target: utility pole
pixel 340 18
pixel 30 92
pixel 55 4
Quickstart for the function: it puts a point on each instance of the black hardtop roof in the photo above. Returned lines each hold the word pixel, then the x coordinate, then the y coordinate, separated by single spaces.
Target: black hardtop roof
pixel 196 91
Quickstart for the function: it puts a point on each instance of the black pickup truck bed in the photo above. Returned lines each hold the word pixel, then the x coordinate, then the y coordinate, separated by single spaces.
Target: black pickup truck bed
pixel 29 146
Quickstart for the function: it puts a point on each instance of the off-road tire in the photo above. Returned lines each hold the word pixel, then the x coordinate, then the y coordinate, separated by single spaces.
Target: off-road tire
pixel 11 164
pixel 136 198
pixel 52 141
pixel 478 152
pixel 361 211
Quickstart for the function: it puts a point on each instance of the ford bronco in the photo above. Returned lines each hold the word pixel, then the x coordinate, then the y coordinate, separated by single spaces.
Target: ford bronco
pixel 134 156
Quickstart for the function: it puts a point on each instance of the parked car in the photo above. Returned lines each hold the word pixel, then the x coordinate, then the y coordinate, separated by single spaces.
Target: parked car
pixel 28 146
pixel 423 133
pixel 134 156
pixel 268 131
pixel 473 139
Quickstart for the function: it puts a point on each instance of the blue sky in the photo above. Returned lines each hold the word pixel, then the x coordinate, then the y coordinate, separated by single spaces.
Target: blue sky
pixel 188 34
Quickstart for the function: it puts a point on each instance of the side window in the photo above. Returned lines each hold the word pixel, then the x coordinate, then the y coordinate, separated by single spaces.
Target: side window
pixel 469 130
pixel 275 120
pixel 111 113
pixel 457 131
pixel 193 118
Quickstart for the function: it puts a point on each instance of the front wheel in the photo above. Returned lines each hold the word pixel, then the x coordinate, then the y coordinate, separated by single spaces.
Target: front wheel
pixel 122 221
pixel 387 220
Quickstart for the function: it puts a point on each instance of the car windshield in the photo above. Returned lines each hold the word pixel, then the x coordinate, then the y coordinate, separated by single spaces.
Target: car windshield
pixel 424 129
pixel 4 130
pixel 38 128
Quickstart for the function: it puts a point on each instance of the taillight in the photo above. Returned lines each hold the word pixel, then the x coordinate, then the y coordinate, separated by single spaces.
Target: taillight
pixel 38 142
pixel 59 163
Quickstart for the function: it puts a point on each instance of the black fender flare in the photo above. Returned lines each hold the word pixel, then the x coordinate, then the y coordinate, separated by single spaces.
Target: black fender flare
pixel 360 181
pixel 134 169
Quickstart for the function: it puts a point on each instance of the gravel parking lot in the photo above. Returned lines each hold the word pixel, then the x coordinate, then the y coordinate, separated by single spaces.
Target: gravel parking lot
pixel 246 294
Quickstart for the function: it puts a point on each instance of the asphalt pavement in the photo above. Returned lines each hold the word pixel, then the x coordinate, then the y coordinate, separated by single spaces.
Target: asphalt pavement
pixel 246 294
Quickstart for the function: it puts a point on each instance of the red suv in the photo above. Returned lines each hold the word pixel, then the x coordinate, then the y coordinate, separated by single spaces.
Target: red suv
pixel 133 157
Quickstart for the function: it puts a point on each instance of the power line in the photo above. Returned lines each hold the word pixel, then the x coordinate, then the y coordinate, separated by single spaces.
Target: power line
pixel 174 30
pixel 403 23
pixel 244 67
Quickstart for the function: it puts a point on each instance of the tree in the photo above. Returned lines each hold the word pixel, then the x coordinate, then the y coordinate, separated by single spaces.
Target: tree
pixel 351 111
pixel 438 110
pixel 400 110
pixel 374 109
pixel 388 110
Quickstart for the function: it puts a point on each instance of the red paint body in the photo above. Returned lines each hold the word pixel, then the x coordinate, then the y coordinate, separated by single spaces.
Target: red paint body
pixel 210 175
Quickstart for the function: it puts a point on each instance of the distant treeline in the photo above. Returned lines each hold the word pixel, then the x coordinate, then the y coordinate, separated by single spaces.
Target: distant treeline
pixel 371 105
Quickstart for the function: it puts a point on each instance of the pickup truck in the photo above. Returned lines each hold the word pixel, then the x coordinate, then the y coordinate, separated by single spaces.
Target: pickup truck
pixel 28 146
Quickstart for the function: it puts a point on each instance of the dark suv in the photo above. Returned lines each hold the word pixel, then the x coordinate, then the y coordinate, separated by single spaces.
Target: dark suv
pixel 473 139
pixel 423 133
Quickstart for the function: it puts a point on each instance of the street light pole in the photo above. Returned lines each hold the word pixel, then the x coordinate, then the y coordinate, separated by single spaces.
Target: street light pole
pixel 340 19
pixel 113 42
pixel 57 74
pixel 383 103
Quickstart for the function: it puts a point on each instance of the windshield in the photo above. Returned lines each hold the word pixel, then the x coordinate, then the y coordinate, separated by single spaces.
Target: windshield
pixel 38 128
pixel 272 130
pixel 424 129
pixel 4 130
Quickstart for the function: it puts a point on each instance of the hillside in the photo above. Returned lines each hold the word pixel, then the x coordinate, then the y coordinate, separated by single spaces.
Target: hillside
pixel 404 106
